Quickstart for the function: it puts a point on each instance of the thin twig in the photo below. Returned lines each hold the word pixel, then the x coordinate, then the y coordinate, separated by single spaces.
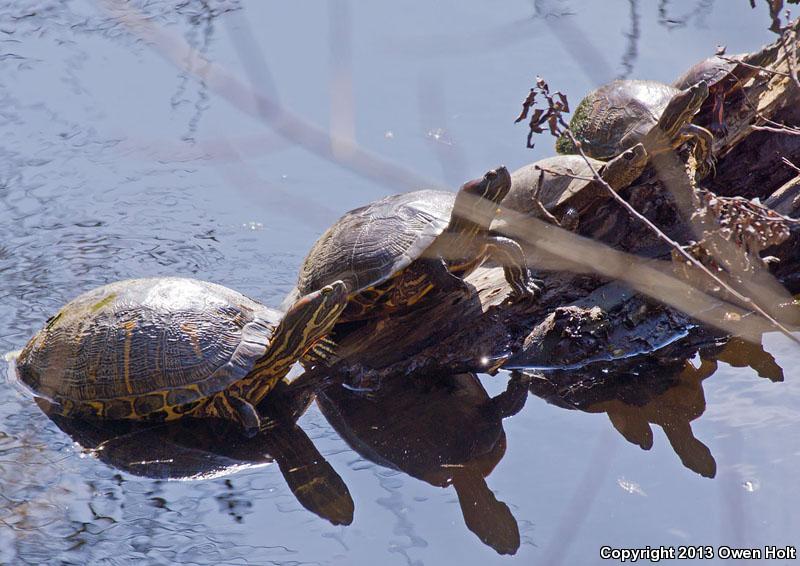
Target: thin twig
pixel 788 130
pixel 562 174
pixel 756 67
pixel 771 126
pixel 677 247
pixel 537 201
pixel 790 164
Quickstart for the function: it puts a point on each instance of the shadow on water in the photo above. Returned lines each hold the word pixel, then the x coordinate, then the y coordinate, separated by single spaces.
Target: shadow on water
pixel 442 429
pixel 663 389
pixel 198 449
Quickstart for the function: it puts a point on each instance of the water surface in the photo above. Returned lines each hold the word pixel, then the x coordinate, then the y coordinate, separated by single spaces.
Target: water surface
pixel 117 164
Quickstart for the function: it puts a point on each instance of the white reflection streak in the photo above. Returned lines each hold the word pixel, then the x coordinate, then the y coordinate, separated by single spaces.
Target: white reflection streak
pixel 227 85
pixel 343 130
pixel 432 112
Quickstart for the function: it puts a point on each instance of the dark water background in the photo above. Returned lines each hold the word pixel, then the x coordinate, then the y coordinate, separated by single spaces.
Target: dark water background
pixel 114 164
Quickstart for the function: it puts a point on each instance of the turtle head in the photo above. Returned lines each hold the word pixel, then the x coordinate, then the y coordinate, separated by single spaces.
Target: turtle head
pixel 314 315
pixel 681 108
pixel 626 167
pixel 477 201
pixel 308 319
pixel 698 92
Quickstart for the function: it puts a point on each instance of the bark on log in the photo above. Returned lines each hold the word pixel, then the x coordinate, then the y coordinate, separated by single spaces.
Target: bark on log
pixel 586 313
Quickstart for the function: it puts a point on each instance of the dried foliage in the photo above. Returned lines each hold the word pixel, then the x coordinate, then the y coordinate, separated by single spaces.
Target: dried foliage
pixel 731 232
pixel 552 114
pixel 736 231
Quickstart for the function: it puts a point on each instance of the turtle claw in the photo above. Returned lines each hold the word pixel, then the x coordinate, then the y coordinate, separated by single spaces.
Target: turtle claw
pixel 719 129
pixel 531 290
pixel 707 167
pixel 321 353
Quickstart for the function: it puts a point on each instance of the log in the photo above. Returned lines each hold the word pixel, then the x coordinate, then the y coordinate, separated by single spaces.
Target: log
pixel 616 295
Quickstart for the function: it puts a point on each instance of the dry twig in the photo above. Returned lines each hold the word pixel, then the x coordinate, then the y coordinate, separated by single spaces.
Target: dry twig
pixel 558 126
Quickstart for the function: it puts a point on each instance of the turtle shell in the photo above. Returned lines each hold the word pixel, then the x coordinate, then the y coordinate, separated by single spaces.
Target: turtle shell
pixel 145 348
pixel 441 429
pixel 711 70
pixel 454 426
pixel 560 189
pixel 556 191
pixel 617 116
pixel 369 245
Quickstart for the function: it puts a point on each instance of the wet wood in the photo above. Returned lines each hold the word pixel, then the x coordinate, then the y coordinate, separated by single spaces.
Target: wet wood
pixel 583 315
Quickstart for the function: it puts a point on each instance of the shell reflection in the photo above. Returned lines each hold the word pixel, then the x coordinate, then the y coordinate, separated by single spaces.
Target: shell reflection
pixel 442 429
pixel 198 449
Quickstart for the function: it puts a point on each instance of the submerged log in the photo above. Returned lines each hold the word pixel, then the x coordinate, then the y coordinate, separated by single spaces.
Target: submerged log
pixel 614 292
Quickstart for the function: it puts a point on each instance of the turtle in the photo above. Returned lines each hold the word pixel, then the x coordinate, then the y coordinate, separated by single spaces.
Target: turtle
pixel 201 450
pixel 394 251
pixel 440 428
pixel 164 348
pixel 563 184
pixel 622 113
pixel 725 75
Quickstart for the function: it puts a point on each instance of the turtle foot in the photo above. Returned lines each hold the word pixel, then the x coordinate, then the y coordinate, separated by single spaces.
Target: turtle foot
pixel 531 290
pixel 707 168
pixel 321 353
pixel 719 129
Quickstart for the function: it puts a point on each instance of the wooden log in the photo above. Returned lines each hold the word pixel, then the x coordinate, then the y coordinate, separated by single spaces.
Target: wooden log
pixel 612 295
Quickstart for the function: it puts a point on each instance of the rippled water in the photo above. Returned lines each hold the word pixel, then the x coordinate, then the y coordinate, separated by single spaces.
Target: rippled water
pixel 115 164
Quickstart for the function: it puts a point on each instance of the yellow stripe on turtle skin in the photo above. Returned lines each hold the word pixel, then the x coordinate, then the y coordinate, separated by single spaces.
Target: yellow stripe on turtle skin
pixel 269 370
pixel 410 289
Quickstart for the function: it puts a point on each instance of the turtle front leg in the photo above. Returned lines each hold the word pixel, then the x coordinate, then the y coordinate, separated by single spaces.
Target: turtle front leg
pixel 703 141
pixel 443 279
pixel 323 352
pixel 423 276
pixel 512 400
pixel 227 405
pixel 717 126
pixel 509 254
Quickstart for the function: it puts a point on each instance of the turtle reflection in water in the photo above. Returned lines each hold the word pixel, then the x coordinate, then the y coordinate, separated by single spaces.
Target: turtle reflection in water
pixel 444 430
pixel 663 389
pixel 206 449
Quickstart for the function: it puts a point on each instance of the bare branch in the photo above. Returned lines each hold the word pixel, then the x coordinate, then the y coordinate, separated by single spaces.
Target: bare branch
pixel 554 113
pixel 790 164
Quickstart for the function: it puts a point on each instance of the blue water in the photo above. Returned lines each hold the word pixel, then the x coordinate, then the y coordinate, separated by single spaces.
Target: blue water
pixel 114 163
